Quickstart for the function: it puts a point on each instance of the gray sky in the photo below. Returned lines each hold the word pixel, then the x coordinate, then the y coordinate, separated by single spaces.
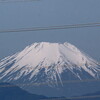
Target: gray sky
pixel 50 13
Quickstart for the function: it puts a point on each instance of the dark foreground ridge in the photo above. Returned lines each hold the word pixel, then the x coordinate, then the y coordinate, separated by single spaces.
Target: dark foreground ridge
pixel 16 93
pixel 9 92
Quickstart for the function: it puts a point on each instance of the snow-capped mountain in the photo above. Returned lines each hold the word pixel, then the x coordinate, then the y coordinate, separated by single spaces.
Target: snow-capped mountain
pixel 50 63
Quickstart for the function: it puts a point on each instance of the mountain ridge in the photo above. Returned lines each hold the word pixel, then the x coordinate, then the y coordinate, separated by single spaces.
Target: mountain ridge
pixel 50 63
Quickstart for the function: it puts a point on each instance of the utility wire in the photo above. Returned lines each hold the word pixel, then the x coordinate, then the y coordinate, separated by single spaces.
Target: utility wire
pixel 16 1
pixel 51 28
pixel 75 98
pixel 45 83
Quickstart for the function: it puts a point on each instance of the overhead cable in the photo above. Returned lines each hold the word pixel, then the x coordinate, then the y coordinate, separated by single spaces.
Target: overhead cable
pixel 45 83
pixel 51 28
pixel 16 1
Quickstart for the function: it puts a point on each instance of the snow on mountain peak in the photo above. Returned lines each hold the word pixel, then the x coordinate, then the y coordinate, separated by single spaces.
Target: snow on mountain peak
pixel 55 58
pixel 51 53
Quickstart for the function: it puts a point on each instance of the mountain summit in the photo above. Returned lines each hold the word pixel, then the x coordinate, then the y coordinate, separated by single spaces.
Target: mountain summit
pixel 50 63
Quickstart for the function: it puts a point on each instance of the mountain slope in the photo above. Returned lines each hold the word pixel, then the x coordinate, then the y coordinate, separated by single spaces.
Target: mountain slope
pixel 49 63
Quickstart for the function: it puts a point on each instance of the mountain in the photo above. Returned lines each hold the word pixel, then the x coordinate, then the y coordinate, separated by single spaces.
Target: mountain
pixel 9 92
pixel 47 66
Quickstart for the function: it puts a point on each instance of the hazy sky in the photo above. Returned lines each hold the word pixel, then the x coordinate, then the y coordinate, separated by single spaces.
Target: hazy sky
pixel 43 13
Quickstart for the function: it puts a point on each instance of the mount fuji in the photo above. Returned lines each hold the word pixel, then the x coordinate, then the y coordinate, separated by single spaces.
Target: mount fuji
pixel 49 64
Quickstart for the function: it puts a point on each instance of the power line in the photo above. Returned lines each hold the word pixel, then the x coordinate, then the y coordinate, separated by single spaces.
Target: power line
pixel 75 98
pixel 51 28
pixel 16 1
pixel 45 83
